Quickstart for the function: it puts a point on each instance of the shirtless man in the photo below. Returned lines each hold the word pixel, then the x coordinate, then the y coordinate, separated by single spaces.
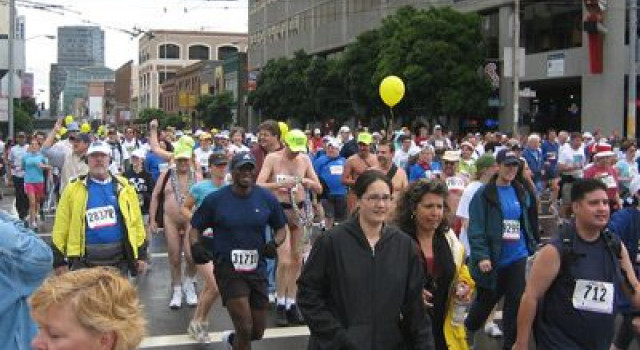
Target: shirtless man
pixel 357 164
pixel 398 176
pixel 282 172
pixel 175 189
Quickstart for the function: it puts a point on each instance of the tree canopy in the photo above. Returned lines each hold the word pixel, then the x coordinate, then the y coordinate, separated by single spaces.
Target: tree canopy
pixel 438 53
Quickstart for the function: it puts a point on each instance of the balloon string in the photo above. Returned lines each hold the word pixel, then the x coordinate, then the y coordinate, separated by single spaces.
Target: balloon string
pixel 390 124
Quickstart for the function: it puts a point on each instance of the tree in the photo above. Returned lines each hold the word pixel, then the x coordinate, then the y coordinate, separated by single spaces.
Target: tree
pixel 216 110
pixel 148 114
pixel 438 53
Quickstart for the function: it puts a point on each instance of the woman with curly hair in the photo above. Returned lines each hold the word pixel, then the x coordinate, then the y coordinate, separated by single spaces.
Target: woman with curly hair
pixel 89 309
pixel 422 212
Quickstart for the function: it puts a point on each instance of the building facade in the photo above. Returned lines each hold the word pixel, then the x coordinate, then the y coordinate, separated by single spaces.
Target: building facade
pixel 163 52
pixel 123 91
pixel 558 88
pixel 78 46
pixel 179 95
pixel 101 101
pixel 76 88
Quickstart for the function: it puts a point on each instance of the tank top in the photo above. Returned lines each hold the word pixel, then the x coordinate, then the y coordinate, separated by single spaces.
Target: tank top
pixel 560 325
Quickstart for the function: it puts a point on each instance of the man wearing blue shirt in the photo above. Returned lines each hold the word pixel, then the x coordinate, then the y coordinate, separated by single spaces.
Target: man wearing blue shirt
pixel 238 216
pixel 334 195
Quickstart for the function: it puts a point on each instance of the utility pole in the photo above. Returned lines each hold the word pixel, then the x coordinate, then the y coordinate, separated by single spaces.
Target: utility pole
pixel 515 59
pixel 633 39
pixel 12 68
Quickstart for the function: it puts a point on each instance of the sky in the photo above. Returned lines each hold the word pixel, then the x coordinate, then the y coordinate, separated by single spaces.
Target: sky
pixel 111 15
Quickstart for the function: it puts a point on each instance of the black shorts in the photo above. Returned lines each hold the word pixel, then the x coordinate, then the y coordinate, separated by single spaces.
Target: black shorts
pixel 335 207
pixel 234 285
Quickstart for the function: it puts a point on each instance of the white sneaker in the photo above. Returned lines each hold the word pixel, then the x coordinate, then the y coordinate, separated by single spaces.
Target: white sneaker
pixel 492 329
pixel 176 298
pixel 272 298
pixel 198 331
pixel 190 293
pixel 226 337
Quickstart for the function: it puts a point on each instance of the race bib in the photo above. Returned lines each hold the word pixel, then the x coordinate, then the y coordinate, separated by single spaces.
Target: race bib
pixel 336 169
pixel 609 181
pixel 244 260
pixel 101 217
pixel 511 230
pixel 439 144
pixel 593 296
pixel 455 183
pixel 285 179
pixel 551 155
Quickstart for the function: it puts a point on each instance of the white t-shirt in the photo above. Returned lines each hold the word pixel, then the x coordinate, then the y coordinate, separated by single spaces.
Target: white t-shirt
pixel 463 211
pixel 132 145
pixel 569 156
pixel 202 157
pixel 233 149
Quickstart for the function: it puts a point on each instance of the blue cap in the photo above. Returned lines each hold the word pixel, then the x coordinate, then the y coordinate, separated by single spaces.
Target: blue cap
pixel 241 159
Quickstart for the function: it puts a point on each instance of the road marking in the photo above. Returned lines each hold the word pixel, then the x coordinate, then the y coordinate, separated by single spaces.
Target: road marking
pixel 185 339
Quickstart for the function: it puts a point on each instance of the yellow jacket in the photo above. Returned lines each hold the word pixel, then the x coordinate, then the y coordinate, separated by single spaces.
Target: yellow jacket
pixel 68 234
pixel 455 336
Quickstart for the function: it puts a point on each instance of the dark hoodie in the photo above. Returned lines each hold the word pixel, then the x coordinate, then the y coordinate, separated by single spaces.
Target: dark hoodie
pixel 353 296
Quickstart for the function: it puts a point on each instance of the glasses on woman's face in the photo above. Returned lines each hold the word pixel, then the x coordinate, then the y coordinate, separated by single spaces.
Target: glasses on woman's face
pixel 221 165
pixel 375 198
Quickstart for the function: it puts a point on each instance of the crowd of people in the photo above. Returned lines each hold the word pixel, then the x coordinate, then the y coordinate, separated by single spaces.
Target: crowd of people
pixel 373 239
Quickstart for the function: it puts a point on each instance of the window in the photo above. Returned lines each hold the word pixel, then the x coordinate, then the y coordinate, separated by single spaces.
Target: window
pixel 552 26
pixel 164 76
pixel 169 51
pixel 225 52
pixel 198 52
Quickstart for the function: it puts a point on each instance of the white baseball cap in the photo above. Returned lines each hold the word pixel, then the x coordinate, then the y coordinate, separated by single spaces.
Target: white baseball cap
pixel 139 153
pixel 345 129
pixel 99 147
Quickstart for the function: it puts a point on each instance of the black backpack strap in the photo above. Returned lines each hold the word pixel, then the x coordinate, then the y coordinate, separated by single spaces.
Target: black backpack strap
pixel 392 172
pixel 614 246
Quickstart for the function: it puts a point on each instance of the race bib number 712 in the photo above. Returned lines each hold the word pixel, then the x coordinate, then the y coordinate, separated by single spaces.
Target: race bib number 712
pixel 593 296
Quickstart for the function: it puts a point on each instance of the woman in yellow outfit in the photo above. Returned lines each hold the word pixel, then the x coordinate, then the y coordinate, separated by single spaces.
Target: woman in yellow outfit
pixel 422 212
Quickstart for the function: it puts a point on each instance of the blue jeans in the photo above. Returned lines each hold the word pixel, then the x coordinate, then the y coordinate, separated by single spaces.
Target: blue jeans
pixel 271 264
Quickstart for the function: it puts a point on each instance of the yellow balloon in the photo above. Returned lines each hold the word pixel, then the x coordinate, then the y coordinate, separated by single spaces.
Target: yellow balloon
pixel 62 131
pixel 85 128
pixel 392 90
pixel 68 119
pixel 284 129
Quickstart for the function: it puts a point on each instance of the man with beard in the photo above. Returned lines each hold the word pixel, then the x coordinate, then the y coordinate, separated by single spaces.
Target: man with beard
pixel 238 215
pixel 358 164
pixel 98 220
pixel 289 175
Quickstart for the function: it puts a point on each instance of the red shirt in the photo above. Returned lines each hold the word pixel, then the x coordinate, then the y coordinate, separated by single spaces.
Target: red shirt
pixel 608 175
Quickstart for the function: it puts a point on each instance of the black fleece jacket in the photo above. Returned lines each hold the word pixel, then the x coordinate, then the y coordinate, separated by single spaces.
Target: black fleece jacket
pixel 353 296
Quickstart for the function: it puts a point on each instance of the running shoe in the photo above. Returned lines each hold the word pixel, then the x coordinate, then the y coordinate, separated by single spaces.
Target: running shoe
pixel 198 331
pixel 227 340
pixel 294 316
pixel 492 329
pixel 281 316
pixel 190 293
pixel 176 298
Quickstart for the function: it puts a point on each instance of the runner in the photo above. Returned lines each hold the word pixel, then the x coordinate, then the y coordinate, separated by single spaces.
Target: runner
pixel 289 174
pixel 356 164
pixel 198 327
pixel 203 153
pixel 239 248
pixel 575 278
pixel 16 174
pixel 96 214
pixel 142 182
pixel 34 164
pixel 329 169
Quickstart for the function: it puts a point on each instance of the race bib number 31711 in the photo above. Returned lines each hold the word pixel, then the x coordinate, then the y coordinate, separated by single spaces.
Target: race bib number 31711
pixel 593 296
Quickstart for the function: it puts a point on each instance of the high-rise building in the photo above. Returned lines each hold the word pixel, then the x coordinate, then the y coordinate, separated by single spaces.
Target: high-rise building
pixel 78 47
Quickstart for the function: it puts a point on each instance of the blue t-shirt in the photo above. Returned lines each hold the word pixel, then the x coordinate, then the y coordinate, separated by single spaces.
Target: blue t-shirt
pixel 417 172
pixel 512 250
pixel 32 171
pixel 330 171
pixel 102 220
pixel 200 190
pixel 238 222
pixel 152 165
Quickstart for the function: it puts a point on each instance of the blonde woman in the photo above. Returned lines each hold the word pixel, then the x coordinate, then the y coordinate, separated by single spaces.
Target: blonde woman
pixel 89 309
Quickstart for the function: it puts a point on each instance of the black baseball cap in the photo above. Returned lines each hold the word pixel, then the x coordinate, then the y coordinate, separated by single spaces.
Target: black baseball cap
pixel 507 157
pixel 241 159
pixel 218 157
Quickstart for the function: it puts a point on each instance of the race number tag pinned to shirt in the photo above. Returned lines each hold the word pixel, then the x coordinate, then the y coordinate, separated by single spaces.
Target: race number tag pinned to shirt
pixel 455 183
pixel 609 181
pixel 101 217
pixel 244 260
pixel 511 230
pixel 439 144
pixel 593 296
pixel 336 169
